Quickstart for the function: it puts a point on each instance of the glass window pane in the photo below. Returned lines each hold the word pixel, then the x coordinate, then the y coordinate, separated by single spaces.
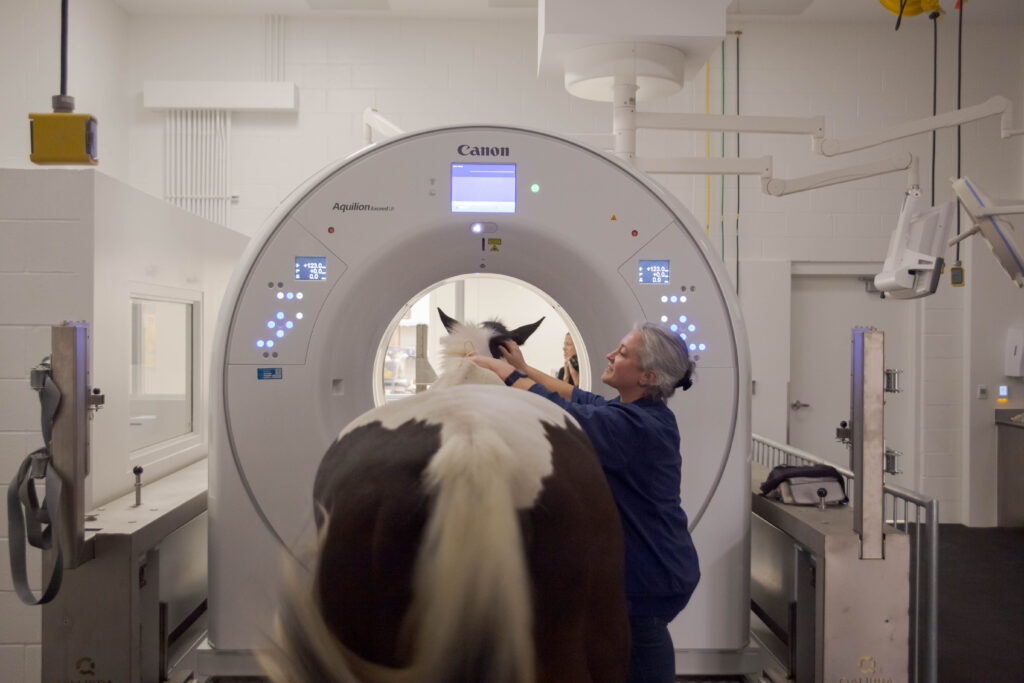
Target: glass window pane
pixel 161 372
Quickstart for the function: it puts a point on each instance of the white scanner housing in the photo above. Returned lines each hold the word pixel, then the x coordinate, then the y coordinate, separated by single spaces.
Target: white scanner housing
pixel 312 299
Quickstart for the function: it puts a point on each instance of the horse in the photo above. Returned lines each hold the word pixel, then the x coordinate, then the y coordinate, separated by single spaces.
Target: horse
pixel 466 533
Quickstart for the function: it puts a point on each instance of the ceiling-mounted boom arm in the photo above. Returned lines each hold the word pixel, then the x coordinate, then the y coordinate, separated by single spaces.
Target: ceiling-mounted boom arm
pixel 374 122
pixel 994 106
pixel 778 187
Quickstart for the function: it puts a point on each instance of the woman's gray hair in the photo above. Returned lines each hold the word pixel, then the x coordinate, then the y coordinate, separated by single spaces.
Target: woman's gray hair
pixel 665 354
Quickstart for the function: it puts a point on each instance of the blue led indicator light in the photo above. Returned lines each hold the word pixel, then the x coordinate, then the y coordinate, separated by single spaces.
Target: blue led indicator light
pixel 692 328
pixel 270 343
pixel 682 318
pixel 289 324
pixel 702 347
pixel 259 344
pixel 289 296
pixel 674 299
pixel 693 347
pixel 674 327
pixel 279 333
pixel 280 315
pixel 683 335
pixel 271 324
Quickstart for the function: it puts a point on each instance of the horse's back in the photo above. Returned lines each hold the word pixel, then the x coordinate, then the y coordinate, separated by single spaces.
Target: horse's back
pixel 383 478
pixel 577 562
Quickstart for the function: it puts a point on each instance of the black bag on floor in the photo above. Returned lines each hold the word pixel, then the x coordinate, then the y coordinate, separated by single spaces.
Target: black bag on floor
pixel 802 485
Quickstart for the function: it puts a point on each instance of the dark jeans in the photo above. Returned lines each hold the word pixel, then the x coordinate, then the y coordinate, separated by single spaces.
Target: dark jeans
pixel 653 659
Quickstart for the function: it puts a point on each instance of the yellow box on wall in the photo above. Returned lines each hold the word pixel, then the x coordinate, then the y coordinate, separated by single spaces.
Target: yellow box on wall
pixel 62 138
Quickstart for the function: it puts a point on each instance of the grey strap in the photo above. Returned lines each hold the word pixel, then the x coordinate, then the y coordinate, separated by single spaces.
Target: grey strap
pixel 41 380
pixel 26 518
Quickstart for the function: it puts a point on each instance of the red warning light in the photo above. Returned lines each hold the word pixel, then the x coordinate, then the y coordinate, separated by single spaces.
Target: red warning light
pixel 634 233
pixel 331 230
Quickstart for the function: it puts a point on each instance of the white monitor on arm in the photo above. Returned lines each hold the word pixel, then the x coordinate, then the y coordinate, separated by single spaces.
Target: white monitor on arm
pixel 914 260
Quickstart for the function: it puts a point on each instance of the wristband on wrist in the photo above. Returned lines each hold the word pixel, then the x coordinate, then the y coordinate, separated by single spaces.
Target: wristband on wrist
pixel 515 376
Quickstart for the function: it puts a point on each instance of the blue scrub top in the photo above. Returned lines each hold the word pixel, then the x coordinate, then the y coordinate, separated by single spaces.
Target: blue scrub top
pixel 638 445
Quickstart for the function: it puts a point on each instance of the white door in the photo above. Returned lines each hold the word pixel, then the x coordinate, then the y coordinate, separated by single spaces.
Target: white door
pixel 825 309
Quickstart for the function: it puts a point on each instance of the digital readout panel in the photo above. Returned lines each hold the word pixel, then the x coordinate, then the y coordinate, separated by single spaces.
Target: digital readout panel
pixel 653 272
pixel 310 267
pixel 483 188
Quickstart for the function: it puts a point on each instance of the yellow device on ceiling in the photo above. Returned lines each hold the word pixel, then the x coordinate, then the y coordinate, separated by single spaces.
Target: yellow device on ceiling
pixel 62 138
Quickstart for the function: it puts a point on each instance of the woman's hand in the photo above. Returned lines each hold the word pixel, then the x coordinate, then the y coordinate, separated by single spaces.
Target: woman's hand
pixel 511 352
pixel 499 367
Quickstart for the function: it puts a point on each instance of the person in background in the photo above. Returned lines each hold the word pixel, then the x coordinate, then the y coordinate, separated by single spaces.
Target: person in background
pixel 637 440
pixel 570 371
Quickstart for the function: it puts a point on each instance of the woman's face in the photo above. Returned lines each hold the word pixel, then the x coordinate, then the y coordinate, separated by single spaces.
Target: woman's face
pixel 623 371
pixel 568 348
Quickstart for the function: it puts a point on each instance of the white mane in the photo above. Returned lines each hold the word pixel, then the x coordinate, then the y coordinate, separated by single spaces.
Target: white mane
pixel 465 340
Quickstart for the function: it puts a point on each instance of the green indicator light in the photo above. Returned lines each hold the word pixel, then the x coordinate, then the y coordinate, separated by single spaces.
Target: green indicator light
pixel 535 188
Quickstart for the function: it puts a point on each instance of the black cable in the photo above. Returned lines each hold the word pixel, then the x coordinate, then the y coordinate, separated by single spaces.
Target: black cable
pixel 899 17
pixel 64 47
pixel 738 33
pixel 934 16
pixel 959 80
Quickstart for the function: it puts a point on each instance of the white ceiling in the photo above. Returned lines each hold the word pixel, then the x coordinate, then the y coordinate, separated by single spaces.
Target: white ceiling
pixel 984 11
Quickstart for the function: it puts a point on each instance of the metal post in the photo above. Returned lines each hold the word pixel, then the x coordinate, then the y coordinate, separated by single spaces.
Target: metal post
pixel 70 449
pixel 868 443
pixel 931 656
pixel 425 374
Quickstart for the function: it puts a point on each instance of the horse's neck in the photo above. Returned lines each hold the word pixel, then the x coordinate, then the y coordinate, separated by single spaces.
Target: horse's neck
pixel 464 371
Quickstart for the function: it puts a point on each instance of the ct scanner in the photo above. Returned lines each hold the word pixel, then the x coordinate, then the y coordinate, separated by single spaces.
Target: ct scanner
pixel 314 295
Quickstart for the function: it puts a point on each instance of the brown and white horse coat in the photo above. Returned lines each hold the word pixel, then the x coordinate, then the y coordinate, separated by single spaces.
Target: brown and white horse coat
pixel 467 534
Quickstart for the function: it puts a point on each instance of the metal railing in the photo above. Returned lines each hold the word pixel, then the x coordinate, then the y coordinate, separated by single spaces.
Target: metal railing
pixel 911 513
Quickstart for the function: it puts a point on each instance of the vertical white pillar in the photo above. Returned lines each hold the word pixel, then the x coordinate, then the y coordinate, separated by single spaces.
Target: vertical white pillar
pixel 624 117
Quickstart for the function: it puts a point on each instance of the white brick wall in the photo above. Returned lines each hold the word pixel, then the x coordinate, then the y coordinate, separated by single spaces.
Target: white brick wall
pixel 45 275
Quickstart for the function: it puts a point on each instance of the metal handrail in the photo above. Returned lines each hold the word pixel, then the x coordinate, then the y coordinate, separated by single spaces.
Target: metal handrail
pixel 907 511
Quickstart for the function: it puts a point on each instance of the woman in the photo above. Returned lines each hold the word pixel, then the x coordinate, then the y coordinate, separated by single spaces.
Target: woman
pixel 570 370
pixel 637 439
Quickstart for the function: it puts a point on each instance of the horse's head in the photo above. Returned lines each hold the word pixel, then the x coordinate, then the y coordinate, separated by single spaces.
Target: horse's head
pixel 485 338
pixel 465 340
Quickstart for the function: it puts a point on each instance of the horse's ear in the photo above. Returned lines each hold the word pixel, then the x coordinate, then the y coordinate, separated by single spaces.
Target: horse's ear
pixel 521 334
pixel 448 322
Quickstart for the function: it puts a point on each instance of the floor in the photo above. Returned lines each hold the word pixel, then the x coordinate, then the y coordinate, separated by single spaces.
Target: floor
pixel 981 604
pixel 981 607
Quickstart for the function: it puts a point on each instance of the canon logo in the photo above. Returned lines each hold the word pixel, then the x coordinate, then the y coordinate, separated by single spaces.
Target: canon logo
pixel 472 151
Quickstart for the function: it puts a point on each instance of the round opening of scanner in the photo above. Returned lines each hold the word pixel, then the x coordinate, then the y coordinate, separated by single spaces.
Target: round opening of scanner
pixel 409 356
